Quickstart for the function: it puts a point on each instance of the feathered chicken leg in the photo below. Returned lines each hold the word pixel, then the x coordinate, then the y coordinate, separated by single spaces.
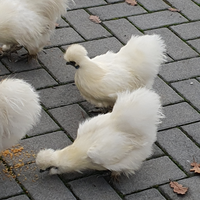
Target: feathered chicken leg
pixel 7 50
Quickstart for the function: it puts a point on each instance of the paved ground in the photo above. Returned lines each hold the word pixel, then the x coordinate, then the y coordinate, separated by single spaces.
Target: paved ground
pixel 178 84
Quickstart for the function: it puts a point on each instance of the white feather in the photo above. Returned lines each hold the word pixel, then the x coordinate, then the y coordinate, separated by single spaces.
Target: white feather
pixel 29 22
pixel 135 65
pixel 19 111
pixel 119 141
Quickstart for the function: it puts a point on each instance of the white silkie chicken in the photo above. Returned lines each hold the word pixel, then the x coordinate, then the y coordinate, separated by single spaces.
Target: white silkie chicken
pixel 29 23
pixel 101 78
pixel 19 111
pixel 118 141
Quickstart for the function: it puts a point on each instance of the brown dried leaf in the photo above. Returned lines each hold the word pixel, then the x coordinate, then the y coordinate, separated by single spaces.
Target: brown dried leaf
pixel 131 2
pixel 174 10
pixel 178 188
pixel 95 19
pixel 196 167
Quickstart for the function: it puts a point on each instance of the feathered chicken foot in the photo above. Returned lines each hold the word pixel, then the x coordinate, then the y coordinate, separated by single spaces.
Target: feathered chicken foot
pixel 115 176
pixel 27 57
pixel 7 53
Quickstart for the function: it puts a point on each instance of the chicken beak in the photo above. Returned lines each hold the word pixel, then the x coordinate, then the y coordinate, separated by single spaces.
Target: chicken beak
pixel 73 64
pixel 41 170
pixel 47 169
pixel 44 170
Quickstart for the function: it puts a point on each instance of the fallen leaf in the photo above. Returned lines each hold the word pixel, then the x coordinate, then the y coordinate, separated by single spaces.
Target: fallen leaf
pixel 178 188
pixel 174 10
pixel 196 167
pixel 131 2
pixel 95 19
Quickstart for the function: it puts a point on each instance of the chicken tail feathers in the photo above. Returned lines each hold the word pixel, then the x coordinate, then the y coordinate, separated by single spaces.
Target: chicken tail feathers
pixel 138 112
pixel 146 53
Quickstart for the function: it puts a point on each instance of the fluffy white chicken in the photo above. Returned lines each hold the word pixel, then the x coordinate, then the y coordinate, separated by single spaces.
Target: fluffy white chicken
pixel 29 23
pixel 118 141
pixel 101 78
pixel 19 111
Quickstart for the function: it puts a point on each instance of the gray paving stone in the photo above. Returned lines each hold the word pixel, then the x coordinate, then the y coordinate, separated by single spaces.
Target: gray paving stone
pixel 20 197
pixel 197 1
pixel 55 140
pixel 122 29
pixel 62 23
pixel 69 117
pixel 8 185
pixel 151 194
pixel 178 114
pixel 45 125
pixel 60 96
pixel 179 147
pixel 53 59
pixel 43 186
pixel 157 19
pixel 192 193
pixel 154 5
pixel 157 151
pixel 179 70
pixel 190 89
pixel 64 36
pixel 97 187
pixel 86 3
pixel 195 44
pixel 176 48
pixel 167 94
pixel 113 1
pixel 193 131
pixel 21 65
pixel 188 8
pixel 116 10
pixel 153 172
pixel 80 21
pixel 3 70
pixel 76 175
pixel 188 31
pixel 34 77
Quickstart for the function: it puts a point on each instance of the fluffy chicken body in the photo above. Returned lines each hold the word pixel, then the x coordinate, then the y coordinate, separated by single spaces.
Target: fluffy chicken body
pixel 29 23
pixel 118 141
pixel 101 78
pixel 19 111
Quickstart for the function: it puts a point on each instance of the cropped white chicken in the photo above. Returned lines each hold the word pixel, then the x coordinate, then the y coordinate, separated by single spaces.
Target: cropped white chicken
pixel 29 23
pixel 118 141
pixel 101 78
pixel 19 111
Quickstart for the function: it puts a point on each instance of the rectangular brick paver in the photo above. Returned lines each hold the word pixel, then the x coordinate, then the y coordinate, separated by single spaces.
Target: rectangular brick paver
pixel 190 89
pixel 176 48
pixel 116 10
pixel 153 172
pixel 79 19
pixel 192 193
pixel 180 147
pixel 157 19
pixel 178 114
pixel 146 195
pixel 188 30
pixel 184 69
pixel 97 187
pixel 188 8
